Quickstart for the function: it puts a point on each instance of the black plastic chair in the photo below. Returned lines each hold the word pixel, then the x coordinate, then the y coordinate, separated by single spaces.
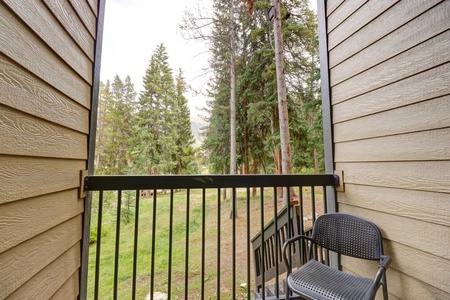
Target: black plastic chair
pixel 347 235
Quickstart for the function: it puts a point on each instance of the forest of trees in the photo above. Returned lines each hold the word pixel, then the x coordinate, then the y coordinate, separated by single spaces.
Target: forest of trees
pixel 150 133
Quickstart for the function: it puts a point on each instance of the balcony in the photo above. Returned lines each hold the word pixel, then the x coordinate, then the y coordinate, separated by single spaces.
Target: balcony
pixel 176 236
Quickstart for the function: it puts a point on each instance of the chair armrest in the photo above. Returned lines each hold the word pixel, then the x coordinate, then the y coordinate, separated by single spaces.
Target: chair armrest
pixel 385 261
pixel 286 244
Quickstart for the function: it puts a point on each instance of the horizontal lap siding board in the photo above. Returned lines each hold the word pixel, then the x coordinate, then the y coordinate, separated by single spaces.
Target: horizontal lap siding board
pixel 23 91
pixel 389 64
pixel 352 23
pixel 49 140
pixel 410 90
pixel 52 277
pixel 33 54
pixel 397 281
pixel 65 13
pixel 86 15
pixel 21 220
pixel 427 55
pixel 404 38
pixel 68 290
pixel 46 66
pixel 24 261
pixel 400 14
pixel 37 16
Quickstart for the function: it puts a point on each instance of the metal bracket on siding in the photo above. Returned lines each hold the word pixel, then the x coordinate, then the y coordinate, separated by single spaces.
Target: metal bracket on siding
pixel 81 191
pixel 340 187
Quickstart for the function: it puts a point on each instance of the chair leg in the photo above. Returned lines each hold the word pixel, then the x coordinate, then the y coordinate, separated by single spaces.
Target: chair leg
pixel 384 284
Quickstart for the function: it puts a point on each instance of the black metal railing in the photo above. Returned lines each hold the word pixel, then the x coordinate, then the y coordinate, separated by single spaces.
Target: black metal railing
pixel 176 234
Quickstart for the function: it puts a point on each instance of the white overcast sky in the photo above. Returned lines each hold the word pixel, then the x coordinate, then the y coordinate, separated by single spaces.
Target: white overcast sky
pixel 133 29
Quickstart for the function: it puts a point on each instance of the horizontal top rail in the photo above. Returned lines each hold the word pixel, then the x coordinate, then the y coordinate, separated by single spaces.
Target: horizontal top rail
pixel 140 182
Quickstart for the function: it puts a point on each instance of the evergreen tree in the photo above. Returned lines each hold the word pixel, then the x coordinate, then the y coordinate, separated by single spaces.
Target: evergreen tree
pixel 156 118
pixel 184 156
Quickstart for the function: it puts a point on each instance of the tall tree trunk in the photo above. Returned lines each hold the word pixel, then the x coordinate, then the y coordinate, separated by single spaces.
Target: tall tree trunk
pixel 286 160
pixel 232 107
pixel 255 171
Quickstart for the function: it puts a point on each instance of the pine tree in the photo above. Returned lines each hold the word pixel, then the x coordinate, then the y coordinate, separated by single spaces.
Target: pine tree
pixel 157 135
pixel 184 156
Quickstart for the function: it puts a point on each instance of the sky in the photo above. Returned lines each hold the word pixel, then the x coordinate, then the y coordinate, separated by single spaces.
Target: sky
pixel 133 29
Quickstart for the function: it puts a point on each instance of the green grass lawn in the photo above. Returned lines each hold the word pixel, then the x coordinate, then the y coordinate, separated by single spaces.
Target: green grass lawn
pixel 179 233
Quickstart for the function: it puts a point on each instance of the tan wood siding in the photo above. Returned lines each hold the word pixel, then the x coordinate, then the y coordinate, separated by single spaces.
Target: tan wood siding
pixel 390 93
pixel 49 280
pixel 21 220
pixel 65 13
pixel 355 21
pixel 23 91
pixel 408 91
pixel 28 177
pixel 33 54
pixel 85 14
pixel 68 289
pixel 46 66
pixel 404 38
pixel 427 55
pixel 35 254
pixel 37 16
pixel 400 14
pixel 50 140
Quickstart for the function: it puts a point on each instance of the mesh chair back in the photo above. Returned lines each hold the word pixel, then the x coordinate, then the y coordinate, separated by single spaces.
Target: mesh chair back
pixel 348 235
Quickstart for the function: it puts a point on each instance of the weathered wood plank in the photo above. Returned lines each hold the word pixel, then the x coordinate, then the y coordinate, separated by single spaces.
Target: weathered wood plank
pixel 420 29
pixel 64 12
pixel 35 254
pixel 401 13
pixel 421 176
pixel 69 290
pixel 26 177
pixel 405 92
pixel 344 11
pixel 27 135
pixel 51 278
pixel 85 13
pixel 332 5
pixel 34 55
pixel 424 206
pixel 427 115
pixel 23 91
pixel 417 146
pixel 37 16
pixel 412 262
pixel 356 21
pixel 429 54
pixel 22 220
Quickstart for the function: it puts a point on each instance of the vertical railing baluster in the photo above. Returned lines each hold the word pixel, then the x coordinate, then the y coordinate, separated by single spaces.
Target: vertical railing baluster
pixel 313 205
pixel 152 270
pixel 234 209
pixel 263 267
pixel 135 247
pixel 248 243
pixel 218 241
pixel 116 256
pixel 203 242
pixel 275 247
pixel 99 242
pixel 169 279
pixel 186 259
